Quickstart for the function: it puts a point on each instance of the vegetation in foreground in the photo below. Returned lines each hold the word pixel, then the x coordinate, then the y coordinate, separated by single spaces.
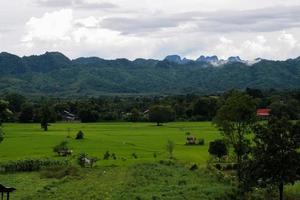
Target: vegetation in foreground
pixel 159 180
pixel 254 167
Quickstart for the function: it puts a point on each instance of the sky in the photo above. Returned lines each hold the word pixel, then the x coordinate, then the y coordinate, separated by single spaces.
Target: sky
pixel 109 29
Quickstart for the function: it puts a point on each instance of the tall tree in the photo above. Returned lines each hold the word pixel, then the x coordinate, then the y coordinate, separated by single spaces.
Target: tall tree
pixel 275 159
pixel 161 114
pixel 234 119
pixel 47 115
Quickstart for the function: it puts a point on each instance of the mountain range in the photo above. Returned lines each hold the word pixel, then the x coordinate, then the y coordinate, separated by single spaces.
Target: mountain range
pixel 54 74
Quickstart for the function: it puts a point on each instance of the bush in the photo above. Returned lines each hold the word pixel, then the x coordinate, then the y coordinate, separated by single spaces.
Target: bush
pixel 193 167
pixel 218 166
pixel 218 148
pixel 63 146
pixel 134 155
pixel 201 141
pixel 167 162
pixel 113 155
pixel 106 155
pixel 59 171
pixel 29 165
pixel 80 135
pixel 154 155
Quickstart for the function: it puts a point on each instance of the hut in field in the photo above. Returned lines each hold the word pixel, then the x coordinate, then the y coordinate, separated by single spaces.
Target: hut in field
pixel 6 190
pixel 191 140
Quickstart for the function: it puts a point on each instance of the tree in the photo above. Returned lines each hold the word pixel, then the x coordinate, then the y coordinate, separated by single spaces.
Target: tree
pixel 160 114
pixel 170 148
pixel 218 148
pixel 88 114
pixel 205 108
pixel 47 115
pixel 234 119
pixel 15 101
pixel 27 112
pixel 275 159
pixel 80 135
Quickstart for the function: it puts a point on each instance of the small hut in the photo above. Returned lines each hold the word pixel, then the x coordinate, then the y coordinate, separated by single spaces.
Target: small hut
pixel 6 190
pixel 191 140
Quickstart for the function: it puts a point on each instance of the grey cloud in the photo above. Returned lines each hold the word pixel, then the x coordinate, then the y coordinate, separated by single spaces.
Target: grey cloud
pixel 54 3
pixel 259 20
pixel 76 4
pixel 265 20
pixel 142 24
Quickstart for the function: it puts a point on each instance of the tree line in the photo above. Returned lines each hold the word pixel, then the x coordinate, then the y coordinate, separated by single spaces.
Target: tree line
pixel 188 107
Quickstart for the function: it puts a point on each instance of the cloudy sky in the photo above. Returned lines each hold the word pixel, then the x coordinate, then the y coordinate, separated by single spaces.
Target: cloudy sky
pixel 152 28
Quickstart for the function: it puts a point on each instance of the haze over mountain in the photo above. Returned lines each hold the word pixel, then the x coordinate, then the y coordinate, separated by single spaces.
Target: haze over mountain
pixel 55 74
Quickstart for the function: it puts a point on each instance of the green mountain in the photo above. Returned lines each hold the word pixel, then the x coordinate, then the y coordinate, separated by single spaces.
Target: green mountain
pixel 54 74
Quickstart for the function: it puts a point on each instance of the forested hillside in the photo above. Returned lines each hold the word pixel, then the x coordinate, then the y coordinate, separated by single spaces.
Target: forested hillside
pixel 54 74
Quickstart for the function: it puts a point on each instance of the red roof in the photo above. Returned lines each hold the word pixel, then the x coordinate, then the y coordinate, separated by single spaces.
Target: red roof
pixel 263 112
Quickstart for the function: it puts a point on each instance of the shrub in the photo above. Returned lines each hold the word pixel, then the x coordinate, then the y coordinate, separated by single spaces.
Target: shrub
pixel 201 141
pixel 29 165
pixel 80 135
pixel 59 171
pixel 218 148
pixel 193 167
pixel 218 166
pixel 62 147
pixel 167 162
pixel 154 155
pixel 106 155
pixel 134 155
pixel 113 155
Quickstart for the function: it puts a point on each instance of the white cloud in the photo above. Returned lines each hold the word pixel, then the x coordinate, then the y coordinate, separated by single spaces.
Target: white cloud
pixel 89 22
pixel 153 28
pixel 288 39
pixel 50 27
pixel 282 46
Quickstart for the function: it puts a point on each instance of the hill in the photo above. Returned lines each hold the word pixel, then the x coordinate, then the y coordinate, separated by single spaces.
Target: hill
pixel 54 74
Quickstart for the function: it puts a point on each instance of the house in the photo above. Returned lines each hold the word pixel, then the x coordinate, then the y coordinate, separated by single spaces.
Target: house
pixel 67 116
pixel 263 112
pixel 190 140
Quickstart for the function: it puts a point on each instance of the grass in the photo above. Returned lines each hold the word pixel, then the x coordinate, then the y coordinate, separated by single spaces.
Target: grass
pixel 123 139
pixel 123 178
pixel 141 181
